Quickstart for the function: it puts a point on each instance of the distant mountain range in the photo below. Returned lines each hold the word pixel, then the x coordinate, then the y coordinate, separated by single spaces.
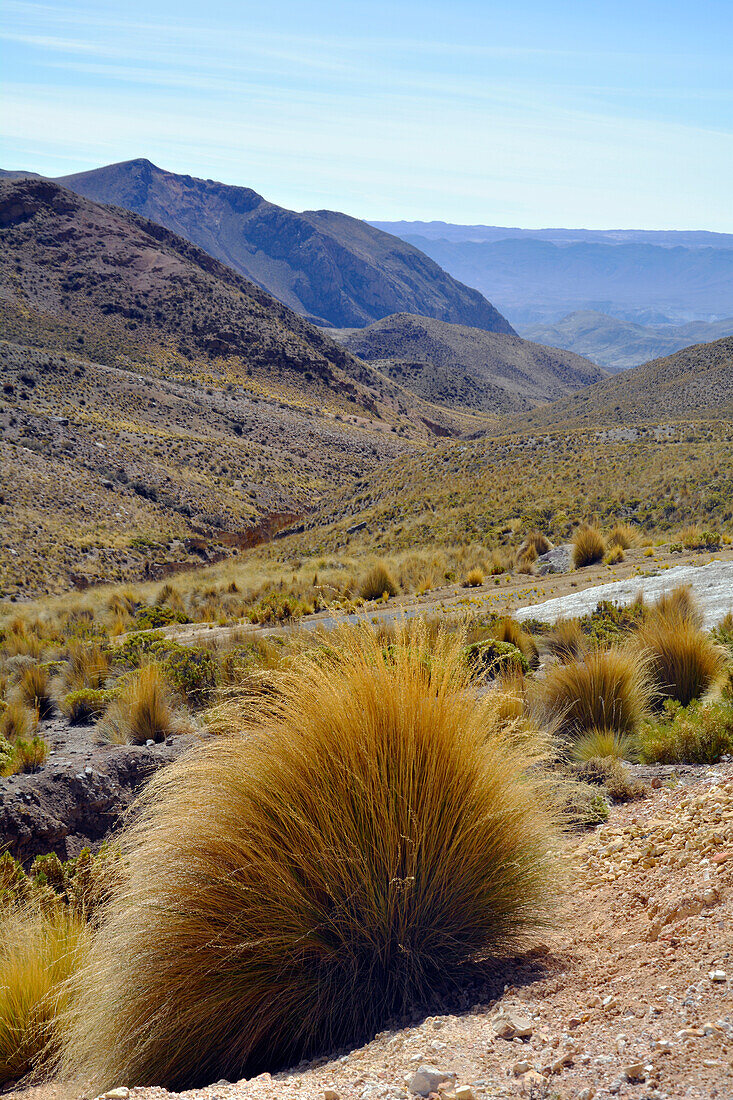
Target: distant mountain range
pixel 666 238
pixel 538 277
pixel 330 268
pixel 465 367
pixel 618 344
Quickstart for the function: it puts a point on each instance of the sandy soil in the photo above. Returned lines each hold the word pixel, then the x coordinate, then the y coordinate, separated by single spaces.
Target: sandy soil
pixel 630 996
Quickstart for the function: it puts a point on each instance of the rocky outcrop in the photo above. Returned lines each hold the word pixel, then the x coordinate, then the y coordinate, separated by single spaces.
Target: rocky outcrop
pixel 71 805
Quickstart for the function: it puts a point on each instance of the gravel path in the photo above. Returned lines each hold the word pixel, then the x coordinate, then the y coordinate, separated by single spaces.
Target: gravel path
pixel 712 585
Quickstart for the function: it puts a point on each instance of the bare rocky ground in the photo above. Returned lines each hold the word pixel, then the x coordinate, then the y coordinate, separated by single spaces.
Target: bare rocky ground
pixel 80 795
pixel 631 996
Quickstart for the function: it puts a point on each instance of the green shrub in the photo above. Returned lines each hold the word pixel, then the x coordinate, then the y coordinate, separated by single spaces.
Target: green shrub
pixel 29 755
pixel 87 704
pixel 290 891
pixel 192 672
pixel 608 772
pixel 605 743
pixel 82 884
pixel 723 632
pixel 149 618
pixel 494 658
pixel 138 646
pixel 696 734
pixel 610 622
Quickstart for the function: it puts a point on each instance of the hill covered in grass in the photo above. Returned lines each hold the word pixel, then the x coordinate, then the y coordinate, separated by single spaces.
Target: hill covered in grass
pixel 331 268
pixel 694 383
pixel 466 367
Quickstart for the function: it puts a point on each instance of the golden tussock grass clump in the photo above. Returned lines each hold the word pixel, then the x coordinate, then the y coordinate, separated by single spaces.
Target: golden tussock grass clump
pixel 87 666
pixel 17 721
pixel 534 543
pixel 143 710
pixel 588 546
pixel 678 605
pixel 614 555
pixel 474 578
pixel 377 583
pixel 682 661
pixel 39 951
pixel 35 691
pixel 565 640
pixel 607 689
pixel 604 744
pixel 509 630
pixel 328 866
pixel 624 536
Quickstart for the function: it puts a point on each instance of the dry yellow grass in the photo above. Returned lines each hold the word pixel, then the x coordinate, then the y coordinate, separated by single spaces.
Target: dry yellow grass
pixel 588 546
pixel 39 951
pixel 331 863
pixel 607 689
pixel 142 712
pixel 682 661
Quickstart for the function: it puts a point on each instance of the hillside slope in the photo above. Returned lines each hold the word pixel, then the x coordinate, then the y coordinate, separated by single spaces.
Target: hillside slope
pixel 694 383
pixel 465 367
pixel 149 393
pixel 617 344
pixel 333 269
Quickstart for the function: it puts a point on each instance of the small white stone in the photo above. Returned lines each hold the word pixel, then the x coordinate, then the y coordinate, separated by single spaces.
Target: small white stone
pixel 635 1072
pixel 718 976
pixel 465 1092
pixel 121 1093
pixel 427 1078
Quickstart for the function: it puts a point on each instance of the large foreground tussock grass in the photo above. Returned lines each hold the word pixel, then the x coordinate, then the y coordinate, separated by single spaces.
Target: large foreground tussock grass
pixel 291 887
pixel 39 951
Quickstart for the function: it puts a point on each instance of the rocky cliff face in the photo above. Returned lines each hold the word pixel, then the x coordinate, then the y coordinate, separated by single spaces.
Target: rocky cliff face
pixel 331 268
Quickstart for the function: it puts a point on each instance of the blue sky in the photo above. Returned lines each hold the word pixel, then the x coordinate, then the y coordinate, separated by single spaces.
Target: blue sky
pixel 597 114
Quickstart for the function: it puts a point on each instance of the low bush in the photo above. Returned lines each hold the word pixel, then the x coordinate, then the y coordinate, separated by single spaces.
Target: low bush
pixel 606 690
pixel 87 704
pixel 696 734
pixel 723 632
pixel 143 710
pixel 610 622
pixel 378 582
pixel 149 618
pixel 29 755
pixel 138 647
pixel 608 772
pixel 493 658
pixel 683 663
pixel 39 953
pixel 588 547
pixel 191 671
pixel 82 884
pixel 333 863
pixel 582 805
